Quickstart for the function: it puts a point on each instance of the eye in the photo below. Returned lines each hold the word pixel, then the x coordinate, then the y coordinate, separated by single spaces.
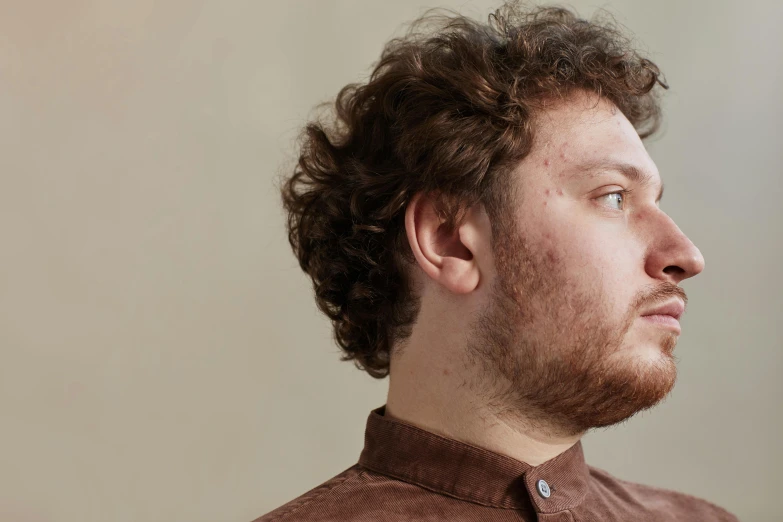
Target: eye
pixel 615 198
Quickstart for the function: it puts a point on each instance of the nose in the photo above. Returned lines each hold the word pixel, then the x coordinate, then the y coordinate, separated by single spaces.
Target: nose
pixel 673 257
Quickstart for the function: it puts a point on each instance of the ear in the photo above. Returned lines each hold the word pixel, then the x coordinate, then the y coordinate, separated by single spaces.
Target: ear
pixel 452 260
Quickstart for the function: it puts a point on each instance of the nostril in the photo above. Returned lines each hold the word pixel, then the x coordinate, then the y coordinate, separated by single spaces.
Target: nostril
pixel 669 270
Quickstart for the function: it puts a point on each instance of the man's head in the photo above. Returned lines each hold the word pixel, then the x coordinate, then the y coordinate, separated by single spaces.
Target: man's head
pixel 582 256
pixel 476 178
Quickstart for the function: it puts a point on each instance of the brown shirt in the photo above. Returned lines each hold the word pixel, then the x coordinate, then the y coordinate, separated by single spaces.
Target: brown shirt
pixel 407 473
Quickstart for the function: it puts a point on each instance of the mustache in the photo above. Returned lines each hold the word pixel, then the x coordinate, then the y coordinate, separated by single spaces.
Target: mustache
pixel 661 293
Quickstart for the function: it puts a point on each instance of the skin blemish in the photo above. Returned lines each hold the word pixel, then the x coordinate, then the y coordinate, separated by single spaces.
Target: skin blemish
pixel 559 192
pixel 546 192
pixel 546 162
pixel 445 371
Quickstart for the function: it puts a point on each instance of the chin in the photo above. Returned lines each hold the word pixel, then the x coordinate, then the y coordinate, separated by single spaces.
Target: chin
pixel 654 347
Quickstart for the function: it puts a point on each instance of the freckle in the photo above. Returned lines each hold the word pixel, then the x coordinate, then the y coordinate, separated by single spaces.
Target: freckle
pixel 445 371
pixel 546 192
pixel 545 203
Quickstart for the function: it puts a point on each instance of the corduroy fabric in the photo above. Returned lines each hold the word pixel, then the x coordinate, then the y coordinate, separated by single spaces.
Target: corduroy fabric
pixel 407 473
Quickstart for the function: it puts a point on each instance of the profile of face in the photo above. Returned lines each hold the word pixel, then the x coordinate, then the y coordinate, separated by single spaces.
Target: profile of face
pixel 585 254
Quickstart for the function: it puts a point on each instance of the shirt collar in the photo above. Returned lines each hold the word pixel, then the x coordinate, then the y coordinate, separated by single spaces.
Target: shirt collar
pixel 406 452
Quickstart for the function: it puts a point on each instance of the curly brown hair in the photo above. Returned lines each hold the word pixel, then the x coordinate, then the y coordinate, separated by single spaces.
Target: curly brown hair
pixel 446 111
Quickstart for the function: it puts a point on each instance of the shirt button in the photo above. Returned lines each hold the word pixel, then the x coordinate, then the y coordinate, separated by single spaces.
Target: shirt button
pixel 543 488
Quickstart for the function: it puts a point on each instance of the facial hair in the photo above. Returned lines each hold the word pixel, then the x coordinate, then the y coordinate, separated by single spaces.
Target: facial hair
pixel 548 352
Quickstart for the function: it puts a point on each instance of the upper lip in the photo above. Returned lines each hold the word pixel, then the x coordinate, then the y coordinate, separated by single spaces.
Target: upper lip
pixel 673 308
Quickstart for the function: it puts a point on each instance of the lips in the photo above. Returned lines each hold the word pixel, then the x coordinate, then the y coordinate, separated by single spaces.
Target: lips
pixel 673 309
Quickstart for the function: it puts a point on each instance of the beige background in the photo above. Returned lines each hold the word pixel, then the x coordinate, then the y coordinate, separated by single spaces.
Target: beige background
pixel 161 355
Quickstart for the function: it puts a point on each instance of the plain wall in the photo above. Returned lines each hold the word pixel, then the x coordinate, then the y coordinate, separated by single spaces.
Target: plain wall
pixel 161 354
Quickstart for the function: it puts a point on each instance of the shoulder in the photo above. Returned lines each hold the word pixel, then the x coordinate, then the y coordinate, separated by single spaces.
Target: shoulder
pixel 672 505
pixel 318 500
pixel 349 496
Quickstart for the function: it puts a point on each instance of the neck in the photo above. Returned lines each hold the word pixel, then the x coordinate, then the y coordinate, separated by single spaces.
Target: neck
pixel 431 391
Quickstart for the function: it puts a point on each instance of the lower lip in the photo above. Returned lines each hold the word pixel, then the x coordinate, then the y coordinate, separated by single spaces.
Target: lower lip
pixel 663 320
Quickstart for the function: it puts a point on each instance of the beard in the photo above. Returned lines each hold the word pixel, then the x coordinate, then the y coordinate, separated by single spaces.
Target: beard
pixel 548 352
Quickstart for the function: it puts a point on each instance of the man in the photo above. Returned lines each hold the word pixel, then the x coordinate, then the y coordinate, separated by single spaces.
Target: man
pixel 482 225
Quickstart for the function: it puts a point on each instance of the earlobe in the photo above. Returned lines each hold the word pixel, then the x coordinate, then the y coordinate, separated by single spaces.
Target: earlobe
pixel 445 258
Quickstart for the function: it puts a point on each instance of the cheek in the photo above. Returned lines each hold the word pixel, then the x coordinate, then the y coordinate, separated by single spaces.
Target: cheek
pixel 573 250
pixel 616 274
pixel 578 247
pixel 597 264
pixel 593 263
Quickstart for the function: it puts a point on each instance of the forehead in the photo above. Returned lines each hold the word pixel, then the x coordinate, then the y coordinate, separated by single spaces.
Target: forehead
pixel 584 129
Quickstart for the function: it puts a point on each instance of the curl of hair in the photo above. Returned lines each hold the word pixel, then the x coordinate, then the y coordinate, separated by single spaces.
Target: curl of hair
pixel 446 111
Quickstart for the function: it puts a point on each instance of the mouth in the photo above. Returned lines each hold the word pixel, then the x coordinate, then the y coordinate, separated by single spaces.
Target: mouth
pixel 667 315
pixel 664 321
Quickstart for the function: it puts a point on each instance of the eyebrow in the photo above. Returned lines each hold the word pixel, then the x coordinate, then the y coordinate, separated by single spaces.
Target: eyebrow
pixel 628 170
